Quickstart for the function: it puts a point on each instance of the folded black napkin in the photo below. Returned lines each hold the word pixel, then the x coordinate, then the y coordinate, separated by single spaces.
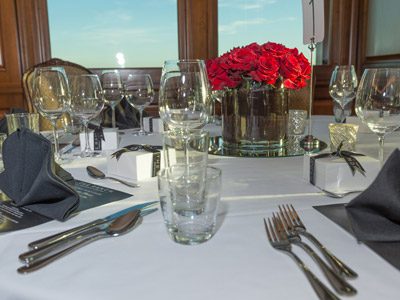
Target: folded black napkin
pixel 3 121
pixel 374 215
pixel 32 179
pixel 126 116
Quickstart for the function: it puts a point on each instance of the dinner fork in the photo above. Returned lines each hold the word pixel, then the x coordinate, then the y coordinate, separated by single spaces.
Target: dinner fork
pixel 339 284
pixel 336 263
pixel 279 240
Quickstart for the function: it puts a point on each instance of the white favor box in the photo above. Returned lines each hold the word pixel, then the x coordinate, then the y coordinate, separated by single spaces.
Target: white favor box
pixel 153 124
pixel 135 165
pixel 334 174
pixel 111 141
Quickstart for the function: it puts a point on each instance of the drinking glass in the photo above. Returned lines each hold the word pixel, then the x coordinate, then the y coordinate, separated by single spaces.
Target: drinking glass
pixel 113 90
pixel 51 97
pixel 378 102
pixel 86 103
pixel 343 87
pixel 184 98
pixel 139 93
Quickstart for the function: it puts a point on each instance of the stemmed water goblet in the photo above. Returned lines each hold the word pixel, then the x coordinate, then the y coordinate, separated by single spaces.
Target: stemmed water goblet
pixel 139 93
pixel 378 102
pixel 51 97
pixel 184 99
pixel 86 103
pixel 113 90
pixel 343 88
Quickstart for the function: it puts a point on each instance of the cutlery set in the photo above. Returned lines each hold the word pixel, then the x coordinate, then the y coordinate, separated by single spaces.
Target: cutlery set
pixel 48 249
pixel 284 230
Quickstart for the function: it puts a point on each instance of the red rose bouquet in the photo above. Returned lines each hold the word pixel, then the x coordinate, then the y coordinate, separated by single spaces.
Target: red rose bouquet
pixel 269 63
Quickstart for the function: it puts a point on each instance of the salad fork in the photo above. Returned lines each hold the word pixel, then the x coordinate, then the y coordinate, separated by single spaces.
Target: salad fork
pixel 336 264
pixel 340 285
pixel 279 240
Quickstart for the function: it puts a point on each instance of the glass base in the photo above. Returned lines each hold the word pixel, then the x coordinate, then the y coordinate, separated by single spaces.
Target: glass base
pixel 190 233
pixel 292 147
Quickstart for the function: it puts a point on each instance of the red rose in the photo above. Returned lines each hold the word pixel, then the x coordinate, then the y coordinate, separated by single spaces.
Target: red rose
pixel 290 67
pixel 277 50
pixel 294 84
pixel 256 48
pixel 242 59
pixel 267 69
pixel 305 66
pixel 213 68
pixel 223 80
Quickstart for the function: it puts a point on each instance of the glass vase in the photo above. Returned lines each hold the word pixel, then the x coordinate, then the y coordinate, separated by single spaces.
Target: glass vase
pixel 255 118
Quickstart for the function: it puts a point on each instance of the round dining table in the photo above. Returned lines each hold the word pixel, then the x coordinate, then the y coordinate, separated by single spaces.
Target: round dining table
pixel 237 263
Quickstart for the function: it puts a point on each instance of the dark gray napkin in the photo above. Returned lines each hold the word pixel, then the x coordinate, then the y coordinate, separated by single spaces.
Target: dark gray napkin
pixel 126 116
pixel 32 179
pixel 374 215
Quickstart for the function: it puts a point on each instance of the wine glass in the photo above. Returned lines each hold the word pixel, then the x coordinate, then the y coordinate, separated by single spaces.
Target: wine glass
pixel 378 102
pixel 184 97
pixel 139 92
pixel 51 97
pixel 113 90
pixel 86 103
pixel 343 87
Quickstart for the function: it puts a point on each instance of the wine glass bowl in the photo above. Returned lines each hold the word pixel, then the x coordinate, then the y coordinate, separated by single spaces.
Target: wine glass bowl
pixel 343 87
pixel 51 98
pixel 113 90
pixel 139 93
pixel 86 103
pixel 184 98
pixel 378 102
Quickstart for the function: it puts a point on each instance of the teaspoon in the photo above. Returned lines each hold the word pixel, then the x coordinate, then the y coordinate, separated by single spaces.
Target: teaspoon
pixel 116 228
pixel 96 173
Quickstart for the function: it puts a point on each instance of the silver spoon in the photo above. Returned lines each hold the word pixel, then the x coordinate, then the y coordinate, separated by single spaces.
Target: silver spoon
pixel 116 228
pixel 338 195
pixel 96 173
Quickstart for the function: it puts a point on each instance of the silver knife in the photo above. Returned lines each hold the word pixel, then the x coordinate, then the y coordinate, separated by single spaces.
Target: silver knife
pixel 65 234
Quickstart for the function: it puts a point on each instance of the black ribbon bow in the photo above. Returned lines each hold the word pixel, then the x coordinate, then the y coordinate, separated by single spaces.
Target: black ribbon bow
pixel 348 156
pixel 136 147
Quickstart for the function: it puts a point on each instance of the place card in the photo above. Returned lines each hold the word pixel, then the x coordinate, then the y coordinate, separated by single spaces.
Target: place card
pixel 108 139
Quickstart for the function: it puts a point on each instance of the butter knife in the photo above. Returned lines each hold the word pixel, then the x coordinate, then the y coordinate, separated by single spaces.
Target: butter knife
pixel 65 234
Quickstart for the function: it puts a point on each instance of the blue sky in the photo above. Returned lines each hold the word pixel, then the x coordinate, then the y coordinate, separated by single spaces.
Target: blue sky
pixel 102 30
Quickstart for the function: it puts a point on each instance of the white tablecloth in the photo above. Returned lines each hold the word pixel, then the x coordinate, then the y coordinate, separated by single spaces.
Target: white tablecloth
pixel 237 263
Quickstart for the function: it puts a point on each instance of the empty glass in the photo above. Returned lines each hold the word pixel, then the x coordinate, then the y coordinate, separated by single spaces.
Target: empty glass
pixel 113 90
pixel 190 208
pixel 86 103
pixel 139 92
pixel 343 87
pixel 51 97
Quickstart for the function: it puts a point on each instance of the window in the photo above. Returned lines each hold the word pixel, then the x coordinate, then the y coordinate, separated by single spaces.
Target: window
pixel 114 34
pixel 241 22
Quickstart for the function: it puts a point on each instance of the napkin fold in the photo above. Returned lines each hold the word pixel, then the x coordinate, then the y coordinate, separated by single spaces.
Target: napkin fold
pixel 126 116
pixel 374 215
pixel 32 179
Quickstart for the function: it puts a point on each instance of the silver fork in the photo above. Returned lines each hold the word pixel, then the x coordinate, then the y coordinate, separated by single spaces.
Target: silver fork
pixel 337 265
pixel 279 240
pixel 339 284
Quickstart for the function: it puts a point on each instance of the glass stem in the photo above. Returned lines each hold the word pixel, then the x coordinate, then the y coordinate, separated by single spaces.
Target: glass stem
pixel 87 144
pixel 113 115
pixel 57 155
pixel 141 121
pixel 381 142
